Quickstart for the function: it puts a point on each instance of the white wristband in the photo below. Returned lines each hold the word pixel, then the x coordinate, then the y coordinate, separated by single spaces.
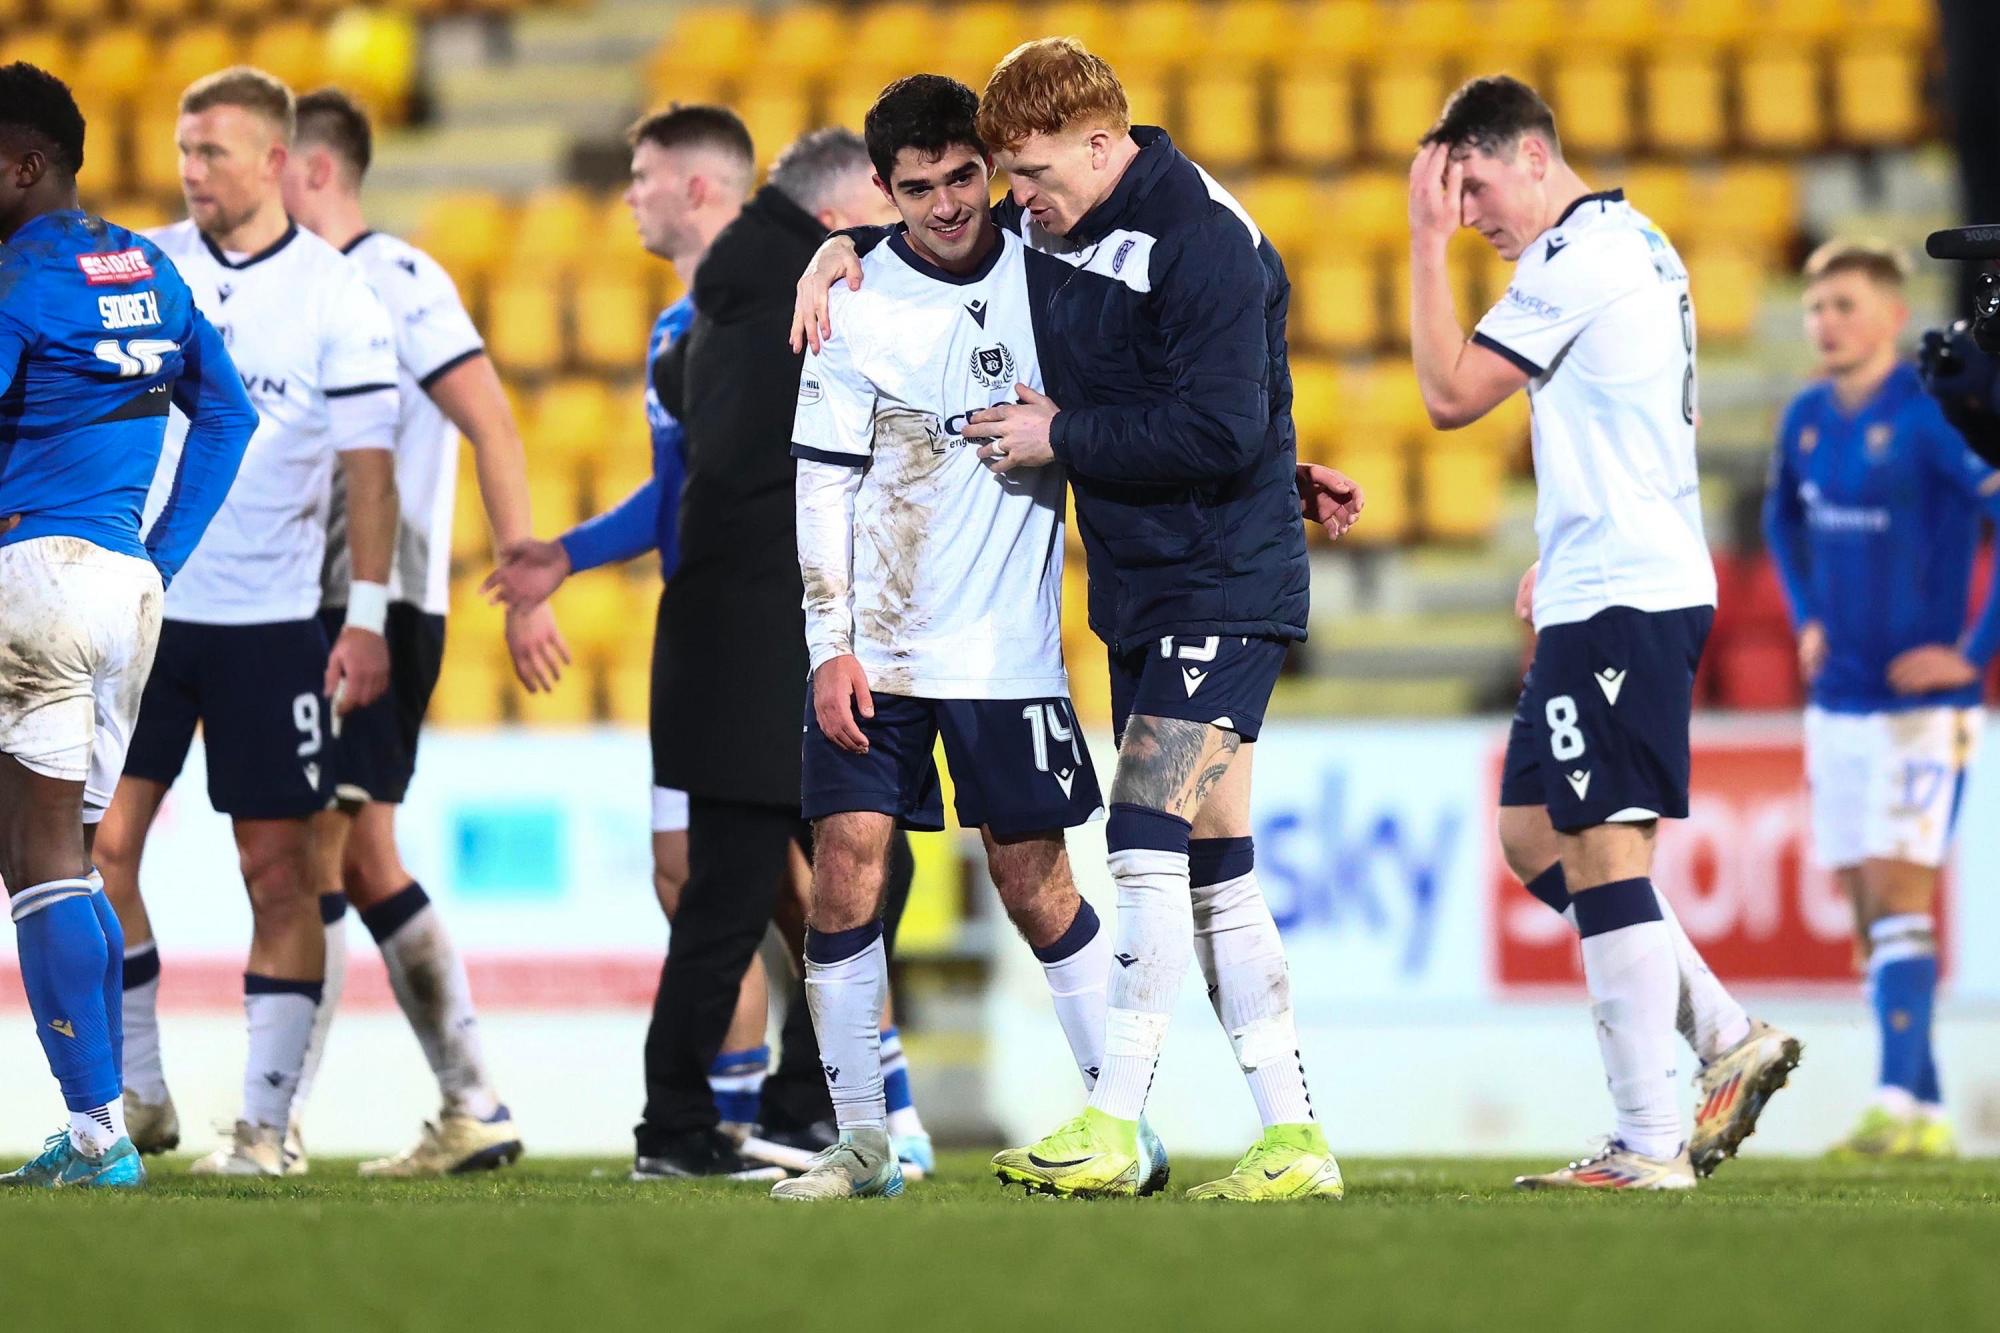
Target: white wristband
pixel 368 606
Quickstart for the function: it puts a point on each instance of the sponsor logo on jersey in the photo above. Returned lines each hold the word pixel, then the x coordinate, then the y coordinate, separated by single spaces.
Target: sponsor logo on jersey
pixel 1808 439
pixel 1123 253
pixel 993 366
pixel 809 390
pixel 1534 305
pixel 116 268
pixel 130 311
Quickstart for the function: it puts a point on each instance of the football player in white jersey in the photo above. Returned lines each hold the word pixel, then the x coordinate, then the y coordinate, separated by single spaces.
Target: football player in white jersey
pixel 933 607
pixel 242 652
pixel 1598 327
pixel 446 386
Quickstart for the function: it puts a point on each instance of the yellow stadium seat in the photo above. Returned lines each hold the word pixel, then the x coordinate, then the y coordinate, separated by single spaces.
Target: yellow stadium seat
pixel 161 12
pixel 1221 121
pixel 71 13
pixel 1460 488
pixel 612 317
pixel 1383 472
pixel 1372 208
pixel 1316 407
pixel 594 608
pixel 467 231
pixel 119 57
pixel 135 214
pixel 471 539
pixel 1779 93
pixel 1662 191
pixel 556 498
pixel 1718 22
pixel 622 464
pixel 1248 33
pixel 1403 102
pixel 1382 401
pixel 292 49
pixel 1337 302
pixel 803 41
pixel 524 325
pixel 468 690
pixel 1799 21
pixel 1727 284
pixel 1315 118
pixel 1878 93
pixel 1683 97
pixel 567 423
pixel 1909 20
pixel 572 703
pixel 1424 31
pixel 974 36
pixel 1091 22
pixel 52 50
pixel 191 52
pixel 1530 27
pixel 1334 34
pixel 372 55
pixel 774 119
pixel 1147 96
pixel 478 628
pixel 1592 96
pixel 553 232
pixel 893 38
pixel 156 157
pixel 1286 209
pixel 1750 202
pixel 1462 261
pixel 628 692
pixel 1618 25
pixel 713 41
pixel 1157 36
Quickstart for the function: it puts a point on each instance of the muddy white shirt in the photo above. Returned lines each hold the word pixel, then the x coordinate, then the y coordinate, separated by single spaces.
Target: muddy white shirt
pixel 1598 315
pixel 946 582
pixel 318 358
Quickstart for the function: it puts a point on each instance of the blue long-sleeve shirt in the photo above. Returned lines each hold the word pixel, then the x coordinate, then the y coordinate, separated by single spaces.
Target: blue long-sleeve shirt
pixel 98 335
pixel 1873 518
pixel 647 519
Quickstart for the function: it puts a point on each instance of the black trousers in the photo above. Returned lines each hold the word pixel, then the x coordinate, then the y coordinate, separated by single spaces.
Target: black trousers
pixel 738 855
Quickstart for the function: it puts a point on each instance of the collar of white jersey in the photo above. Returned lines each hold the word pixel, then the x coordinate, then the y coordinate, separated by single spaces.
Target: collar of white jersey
pixel 1601 197
pixel 899 243
pixel 291 234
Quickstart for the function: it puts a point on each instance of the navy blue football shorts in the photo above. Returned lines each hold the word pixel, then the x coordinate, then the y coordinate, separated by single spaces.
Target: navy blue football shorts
pixel 1225 682
pixel 1601 732
pixel 255 692
pixel 375 754
pixel 1017 765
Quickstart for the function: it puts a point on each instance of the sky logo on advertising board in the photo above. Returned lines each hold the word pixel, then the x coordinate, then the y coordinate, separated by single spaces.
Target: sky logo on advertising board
pixel 512 850
pixel 1333 864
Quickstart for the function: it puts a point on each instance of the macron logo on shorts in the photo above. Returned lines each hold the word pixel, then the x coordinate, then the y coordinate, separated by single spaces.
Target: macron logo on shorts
pixel 116 268
pixel 1192 679
pixel 1579 782
pixel 1611 682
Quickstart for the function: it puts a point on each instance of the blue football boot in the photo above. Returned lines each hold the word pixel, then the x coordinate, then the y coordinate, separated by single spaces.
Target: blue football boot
pixel 61 1166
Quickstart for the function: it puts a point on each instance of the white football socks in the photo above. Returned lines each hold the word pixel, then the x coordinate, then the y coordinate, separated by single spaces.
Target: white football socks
pixel 96 1131
pixel 847 976
pixel 280 1014
pixel 1242 957
pixel 333 915
pixel 143 1071
pixel 1632 976
pixel 431 987
pixel 1154 939
pixel 1078 967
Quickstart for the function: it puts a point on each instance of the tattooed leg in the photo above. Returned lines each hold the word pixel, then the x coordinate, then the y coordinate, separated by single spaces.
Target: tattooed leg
pixel 1169 764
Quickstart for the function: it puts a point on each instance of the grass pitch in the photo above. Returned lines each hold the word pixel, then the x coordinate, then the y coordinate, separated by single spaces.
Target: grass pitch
pixel 1418 1244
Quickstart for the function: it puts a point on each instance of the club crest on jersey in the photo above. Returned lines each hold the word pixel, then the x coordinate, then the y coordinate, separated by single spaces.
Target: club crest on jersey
pixel 1878 439
pixel 1808 439
pixel 116 268
pixel 1123 253
pixel 993 366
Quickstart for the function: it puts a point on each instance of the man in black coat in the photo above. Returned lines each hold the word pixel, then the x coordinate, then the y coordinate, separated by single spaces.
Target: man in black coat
pixel 730 687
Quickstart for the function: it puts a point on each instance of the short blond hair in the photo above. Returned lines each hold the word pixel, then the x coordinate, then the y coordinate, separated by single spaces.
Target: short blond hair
pixel 1047 86
pixel 247 87
pixel 1875 259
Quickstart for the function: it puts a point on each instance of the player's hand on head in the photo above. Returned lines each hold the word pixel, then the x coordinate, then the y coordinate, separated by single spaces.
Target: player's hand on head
pixel 1524 593
pixel 530 571
pixel 840 691
pixel 357 670
pixel 536 647
pixel 1812 650
pixel 1436 182
pixel 835 260
pixel 1015 434
pixel 1329 498
pixel 1930 668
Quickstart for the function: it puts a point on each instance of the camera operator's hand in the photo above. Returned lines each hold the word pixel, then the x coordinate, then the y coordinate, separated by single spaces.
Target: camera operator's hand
pixel 1966 383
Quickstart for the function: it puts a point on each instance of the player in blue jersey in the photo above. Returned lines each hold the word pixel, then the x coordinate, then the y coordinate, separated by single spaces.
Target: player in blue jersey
pixel 98 335
pixel 1873 516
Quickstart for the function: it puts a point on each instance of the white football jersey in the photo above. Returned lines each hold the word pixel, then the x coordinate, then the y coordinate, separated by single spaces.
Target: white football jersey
pixel 1599 316
pixel 302 325
pixel 434 335
pixel 957 572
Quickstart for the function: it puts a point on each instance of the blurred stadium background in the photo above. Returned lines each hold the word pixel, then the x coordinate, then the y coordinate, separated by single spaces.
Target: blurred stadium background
pixel 1748 129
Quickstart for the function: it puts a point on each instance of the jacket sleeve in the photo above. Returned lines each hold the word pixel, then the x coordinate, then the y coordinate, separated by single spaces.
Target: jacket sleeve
pixel 1785 527
pixel 1208 299
pixel 220 424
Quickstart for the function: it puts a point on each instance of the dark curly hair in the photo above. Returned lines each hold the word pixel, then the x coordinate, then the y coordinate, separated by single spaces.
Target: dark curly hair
pixel 1491 115
pixel 927 112
pixel 37 111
